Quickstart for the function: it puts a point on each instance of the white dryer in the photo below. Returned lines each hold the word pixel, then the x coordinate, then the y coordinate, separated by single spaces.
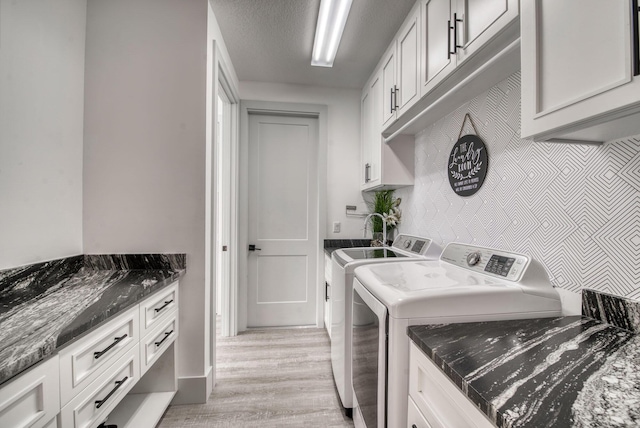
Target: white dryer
pixel 467 284
pixel 344 261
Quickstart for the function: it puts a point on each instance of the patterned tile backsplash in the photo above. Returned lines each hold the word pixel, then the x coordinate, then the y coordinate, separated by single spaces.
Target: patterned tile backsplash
pixel 576 208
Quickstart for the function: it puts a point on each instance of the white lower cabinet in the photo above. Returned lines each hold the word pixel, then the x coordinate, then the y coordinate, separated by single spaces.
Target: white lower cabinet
pixel 148 399
pixel 327 293
pixel 123 372
pixel 437 402
pixel 94 404
pixel 33 398
pixel 83 361
pixel 156 308
pixel 414 417
pixel 153 345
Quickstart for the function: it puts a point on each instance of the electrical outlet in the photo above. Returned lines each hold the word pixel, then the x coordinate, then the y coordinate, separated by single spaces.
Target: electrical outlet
pixel 336 227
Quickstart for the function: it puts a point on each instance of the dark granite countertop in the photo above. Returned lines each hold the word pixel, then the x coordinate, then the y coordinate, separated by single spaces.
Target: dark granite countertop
pixel 330 245
pixel 45 306
pixel 550 372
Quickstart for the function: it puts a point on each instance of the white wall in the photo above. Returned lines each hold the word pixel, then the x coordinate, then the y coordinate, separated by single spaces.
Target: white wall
pixel 145 144
pixel 575 208
pixel 41 107
pixel 343 145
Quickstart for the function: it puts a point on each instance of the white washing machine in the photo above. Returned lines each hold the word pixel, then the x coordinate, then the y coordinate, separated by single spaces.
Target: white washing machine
pixel 344 261
pixel 467 284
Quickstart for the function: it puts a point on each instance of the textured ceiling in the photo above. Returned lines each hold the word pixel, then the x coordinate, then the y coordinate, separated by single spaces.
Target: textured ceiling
pixel 271 40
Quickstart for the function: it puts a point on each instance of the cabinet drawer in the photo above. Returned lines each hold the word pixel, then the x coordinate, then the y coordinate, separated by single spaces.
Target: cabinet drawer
pixel 156 342
pixel 91 407
pixel 415 419
pixel 438 399
pixel 156 308
pixel 32 399
pixel 82 362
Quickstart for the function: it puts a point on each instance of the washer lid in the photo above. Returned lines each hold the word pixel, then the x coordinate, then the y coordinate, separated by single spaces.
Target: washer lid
pixel 425 289
pixel 370 253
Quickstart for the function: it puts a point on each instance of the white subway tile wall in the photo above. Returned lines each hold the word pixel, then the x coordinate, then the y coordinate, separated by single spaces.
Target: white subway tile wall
pixel 576 208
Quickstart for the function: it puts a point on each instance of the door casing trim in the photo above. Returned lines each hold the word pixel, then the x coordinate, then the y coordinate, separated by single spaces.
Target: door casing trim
pixel 319 111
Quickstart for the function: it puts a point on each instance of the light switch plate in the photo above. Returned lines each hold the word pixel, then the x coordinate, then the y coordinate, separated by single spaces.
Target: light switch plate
pixel 336 227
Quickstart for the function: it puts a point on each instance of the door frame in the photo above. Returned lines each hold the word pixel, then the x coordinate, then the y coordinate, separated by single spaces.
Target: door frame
pixel 222 79
pixel 279 109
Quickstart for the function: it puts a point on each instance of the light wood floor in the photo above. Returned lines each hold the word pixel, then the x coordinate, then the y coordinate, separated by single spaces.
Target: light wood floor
pixel 268 378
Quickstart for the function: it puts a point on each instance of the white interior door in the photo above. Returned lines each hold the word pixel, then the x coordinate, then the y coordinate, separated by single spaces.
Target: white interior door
pixel 283 194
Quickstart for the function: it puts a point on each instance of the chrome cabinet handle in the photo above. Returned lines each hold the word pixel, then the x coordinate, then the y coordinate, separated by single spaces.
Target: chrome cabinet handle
pixel 166 303
pixel 119 383
pixel 117 340
pixel 367 173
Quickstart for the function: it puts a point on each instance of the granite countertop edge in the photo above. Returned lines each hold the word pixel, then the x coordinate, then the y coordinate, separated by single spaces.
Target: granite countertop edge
pixel 79 332
pixel 613 341
pixel 124 288
pixel 453 376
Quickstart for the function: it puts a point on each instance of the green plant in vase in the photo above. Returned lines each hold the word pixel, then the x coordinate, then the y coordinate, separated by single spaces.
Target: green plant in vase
pixel 386 205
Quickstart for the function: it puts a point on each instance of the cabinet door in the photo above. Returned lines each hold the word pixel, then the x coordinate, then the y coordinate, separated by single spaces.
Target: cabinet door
pixel 33 398
pixel 375 142
pixel 483 20
pixel 366 129
pixel 437 62
pixel 371 129
pixel 389 100
pixel 408 42
pixel 576 62
pixel 366 117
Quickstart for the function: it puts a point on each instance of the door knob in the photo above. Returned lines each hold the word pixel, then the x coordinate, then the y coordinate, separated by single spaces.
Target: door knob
pixel 252 247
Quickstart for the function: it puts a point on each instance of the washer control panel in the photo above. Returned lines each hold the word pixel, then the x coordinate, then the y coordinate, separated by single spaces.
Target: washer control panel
pixel 498 263
pixel 412 244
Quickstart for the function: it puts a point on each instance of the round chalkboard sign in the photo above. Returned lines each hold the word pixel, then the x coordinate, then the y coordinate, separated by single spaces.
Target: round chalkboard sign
pixel 467 165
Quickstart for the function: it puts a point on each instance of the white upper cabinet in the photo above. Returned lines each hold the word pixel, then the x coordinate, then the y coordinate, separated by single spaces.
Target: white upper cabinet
pixel 408 75
pixel 371 110
pixel 383 165
pixel 455 30
pixel 439 44
pixel 389 86
pixel 437 61
pixel 401 69
pixel 479 21
pixel 577 70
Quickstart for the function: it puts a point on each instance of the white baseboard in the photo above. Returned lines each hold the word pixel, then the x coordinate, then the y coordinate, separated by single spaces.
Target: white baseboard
pixel 194 389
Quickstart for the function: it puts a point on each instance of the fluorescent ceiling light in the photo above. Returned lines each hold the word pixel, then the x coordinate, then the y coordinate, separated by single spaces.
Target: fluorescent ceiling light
pixel 331 20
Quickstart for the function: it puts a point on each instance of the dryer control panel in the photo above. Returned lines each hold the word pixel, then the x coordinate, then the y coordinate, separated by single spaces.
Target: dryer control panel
pixel 412 244
pixel 498 263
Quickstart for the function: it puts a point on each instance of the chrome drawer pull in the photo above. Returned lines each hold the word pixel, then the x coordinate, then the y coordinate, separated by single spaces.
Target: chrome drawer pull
pixel 117 340
pixel 119 383
pixel 166 336
pixel 166 303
